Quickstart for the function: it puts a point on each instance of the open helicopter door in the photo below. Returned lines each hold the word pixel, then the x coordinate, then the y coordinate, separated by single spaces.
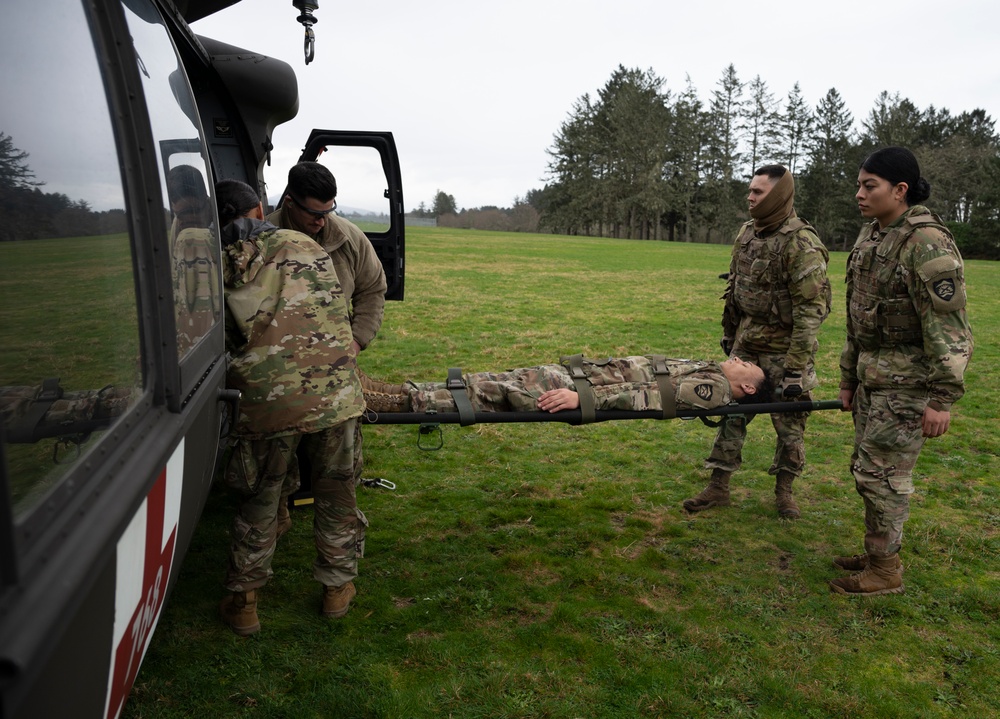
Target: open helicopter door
pixel 369 191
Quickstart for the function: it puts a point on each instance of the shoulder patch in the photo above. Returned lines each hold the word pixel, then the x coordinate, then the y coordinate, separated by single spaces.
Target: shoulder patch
pixel 944 289
pixel 704 391
pixel 943 278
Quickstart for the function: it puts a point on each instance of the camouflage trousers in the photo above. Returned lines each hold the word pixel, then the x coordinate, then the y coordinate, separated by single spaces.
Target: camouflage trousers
pixel 516 390
pixel 260 469
pixel 790 427
pixel 887 439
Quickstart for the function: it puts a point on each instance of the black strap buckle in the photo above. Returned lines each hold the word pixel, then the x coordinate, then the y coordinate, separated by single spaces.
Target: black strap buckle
pixel 456 385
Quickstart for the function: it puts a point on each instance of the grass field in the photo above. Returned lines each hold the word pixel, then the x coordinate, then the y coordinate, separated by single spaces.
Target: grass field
pixel 544 570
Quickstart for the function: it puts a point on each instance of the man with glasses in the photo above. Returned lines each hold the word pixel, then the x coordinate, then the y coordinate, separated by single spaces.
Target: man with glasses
pixel 308 206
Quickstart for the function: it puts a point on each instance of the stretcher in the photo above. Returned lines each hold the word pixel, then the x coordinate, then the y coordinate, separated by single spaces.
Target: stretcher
pixel 465 415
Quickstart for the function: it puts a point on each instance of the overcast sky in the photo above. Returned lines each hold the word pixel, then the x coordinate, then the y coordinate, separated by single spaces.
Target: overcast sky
pixel 474 91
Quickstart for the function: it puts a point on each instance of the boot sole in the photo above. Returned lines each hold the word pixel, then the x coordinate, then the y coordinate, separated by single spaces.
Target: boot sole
pixel 839 590
pixel 699 507
pixel 337 614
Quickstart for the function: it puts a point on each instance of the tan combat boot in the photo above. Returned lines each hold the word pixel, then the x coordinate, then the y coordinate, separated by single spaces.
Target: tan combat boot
pixel 883 575
pixel 239 611
pixel 854 563
pixel 284 517
pixel 787 508
pixel 337 600
pixel 716 494
pixel 373 385
pixel 383 402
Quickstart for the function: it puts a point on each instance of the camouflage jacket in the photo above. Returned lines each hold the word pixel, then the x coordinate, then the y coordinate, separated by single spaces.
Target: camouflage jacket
pixel 626 383
pixel 358 269
pixel 906 319
pixel 778 291
pixel 287 333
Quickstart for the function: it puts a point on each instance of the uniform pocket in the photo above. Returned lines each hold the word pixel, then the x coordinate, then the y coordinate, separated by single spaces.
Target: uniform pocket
pixel 243 471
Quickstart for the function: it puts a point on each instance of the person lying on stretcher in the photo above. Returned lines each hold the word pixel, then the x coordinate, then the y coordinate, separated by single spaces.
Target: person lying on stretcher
pixel 627 383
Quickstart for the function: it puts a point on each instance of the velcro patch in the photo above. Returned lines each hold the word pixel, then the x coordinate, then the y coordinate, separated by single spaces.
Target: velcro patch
pixel 704 391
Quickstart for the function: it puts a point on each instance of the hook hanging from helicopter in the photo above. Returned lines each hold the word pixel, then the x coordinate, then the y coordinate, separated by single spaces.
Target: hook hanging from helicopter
pixel 306 8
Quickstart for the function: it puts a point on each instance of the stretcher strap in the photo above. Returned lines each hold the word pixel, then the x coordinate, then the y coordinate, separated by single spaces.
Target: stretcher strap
pixel 668 398
pixel 456 386
pixel 574 363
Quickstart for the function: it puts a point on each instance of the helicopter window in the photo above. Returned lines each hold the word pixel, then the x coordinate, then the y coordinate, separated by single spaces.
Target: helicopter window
pixel 361 186
pixel 69 342
pixel 194 241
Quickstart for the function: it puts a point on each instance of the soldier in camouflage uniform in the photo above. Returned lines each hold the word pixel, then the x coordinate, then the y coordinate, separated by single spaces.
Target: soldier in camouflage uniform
pixel 778 295
pixel 627 383
pixel 195 268
pixel 308 206
pixel 289 338
pixel 903 364
pixel 32 413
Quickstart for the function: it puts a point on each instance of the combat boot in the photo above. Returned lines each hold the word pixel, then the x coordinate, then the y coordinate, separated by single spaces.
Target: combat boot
pixel 239 611
pixel 854 563
pixel 284 518
pixel 337 600
pixel 883 575
pixel 783 499
pixel 716 494
pixel 382 402
pixel 372 385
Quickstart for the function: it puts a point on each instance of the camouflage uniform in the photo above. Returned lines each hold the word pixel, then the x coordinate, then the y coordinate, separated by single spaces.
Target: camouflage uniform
pixel 32 413
pixel 908 344
pixel 197 296
pixel 626 383
pixel 288 333
pixel 363 281
pixel 777 298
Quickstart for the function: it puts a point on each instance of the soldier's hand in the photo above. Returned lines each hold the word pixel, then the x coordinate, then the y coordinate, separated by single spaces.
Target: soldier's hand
pixel 791 384
pixel 935 422
pixel 726 343
pixel 556 400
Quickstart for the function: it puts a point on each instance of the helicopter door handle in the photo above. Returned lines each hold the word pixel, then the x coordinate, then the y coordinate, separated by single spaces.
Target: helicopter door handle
pixel 231 398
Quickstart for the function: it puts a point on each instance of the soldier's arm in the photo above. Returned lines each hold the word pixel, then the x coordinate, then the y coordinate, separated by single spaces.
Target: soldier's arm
pixel 937 289
pixel 806 261
pixel 368 302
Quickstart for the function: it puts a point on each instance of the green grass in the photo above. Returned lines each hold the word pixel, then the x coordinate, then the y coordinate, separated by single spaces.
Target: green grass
pixel 544 570
pixel 69 313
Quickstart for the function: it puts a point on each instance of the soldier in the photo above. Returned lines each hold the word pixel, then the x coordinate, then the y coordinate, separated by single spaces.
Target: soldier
pixel 289 337
pixel 777 297
pixel 628 383
pixel 194 247
pixel 903 364
pixel 309 207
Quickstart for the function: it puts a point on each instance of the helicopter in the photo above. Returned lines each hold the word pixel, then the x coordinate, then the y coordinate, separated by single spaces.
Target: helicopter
pixel 112 369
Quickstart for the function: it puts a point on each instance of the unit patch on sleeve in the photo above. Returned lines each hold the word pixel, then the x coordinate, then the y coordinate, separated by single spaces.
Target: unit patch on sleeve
pixel 945 289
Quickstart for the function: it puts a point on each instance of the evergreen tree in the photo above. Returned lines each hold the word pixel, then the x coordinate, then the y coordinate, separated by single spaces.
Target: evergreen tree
pixel 796 125
pixel 761 127
pixel 831 177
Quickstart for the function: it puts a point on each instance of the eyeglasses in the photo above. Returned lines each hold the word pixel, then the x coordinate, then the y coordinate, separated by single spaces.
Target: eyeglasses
pixel 314 213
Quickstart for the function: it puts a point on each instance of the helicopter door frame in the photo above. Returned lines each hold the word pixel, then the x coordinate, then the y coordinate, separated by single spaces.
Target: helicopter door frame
pixel 389 245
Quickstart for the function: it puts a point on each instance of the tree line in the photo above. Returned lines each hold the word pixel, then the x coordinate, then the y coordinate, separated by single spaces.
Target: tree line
pixel 27 213
pixel 639 161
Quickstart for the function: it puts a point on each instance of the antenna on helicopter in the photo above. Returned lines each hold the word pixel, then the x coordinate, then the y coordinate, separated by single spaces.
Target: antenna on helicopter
pixel 306 8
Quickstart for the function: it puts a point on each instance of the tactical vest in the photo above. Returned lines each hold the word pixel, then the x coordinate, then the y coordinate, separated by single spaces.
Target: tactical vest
pixel 760 290
pixel 880 308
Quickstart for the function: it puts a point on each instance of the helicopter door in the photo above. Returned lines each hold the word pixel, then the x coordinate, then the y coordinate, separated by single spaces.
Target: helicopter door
pixel 369 191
